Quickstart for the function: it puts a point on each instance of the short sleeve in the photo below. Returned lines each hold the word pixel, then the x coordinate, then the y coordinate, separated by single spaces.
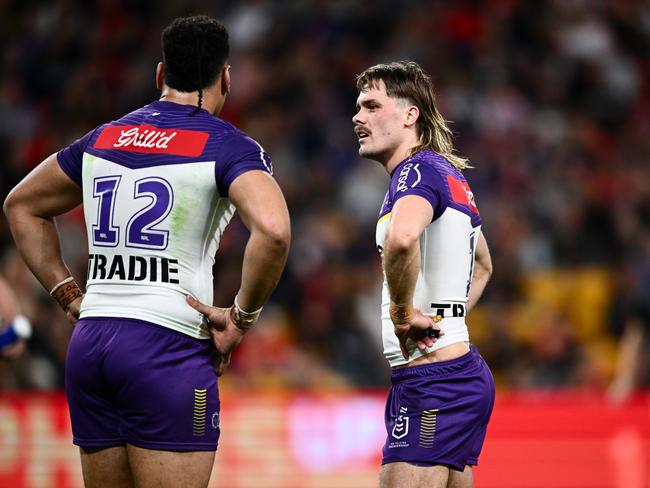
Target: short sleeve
pixel 418 179
pixel 71 158
pixel 238 154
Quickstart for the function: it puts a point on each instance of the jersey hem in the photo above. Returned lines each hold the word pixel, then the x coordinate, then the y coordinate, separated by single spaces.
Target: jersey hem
pixel 143 318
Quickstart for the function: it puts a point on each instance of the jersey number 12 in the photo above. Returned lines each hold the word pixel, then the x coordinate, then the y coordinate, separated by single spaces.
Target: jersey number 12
pixel 140 230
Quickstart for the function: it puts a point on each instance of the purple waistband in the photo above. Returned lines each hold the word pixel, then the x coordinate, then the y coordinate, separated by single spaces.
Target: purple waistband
pixel 438 368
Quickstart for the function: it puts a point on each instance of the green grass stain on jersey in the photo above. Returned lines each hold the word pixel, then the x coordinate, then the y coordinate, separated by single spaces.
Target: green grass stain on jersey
pixel 185 202
pixel 180 212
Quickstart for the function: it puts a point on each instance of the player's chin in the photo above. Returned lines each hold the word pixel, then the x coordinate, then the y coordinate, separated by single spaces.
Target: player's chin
pixel 364 151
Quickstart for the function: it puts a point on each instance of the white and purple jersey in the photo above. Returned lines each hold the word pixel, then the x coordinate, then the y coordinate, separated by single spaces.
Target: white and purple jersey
pixel 155 194
pixel 447 248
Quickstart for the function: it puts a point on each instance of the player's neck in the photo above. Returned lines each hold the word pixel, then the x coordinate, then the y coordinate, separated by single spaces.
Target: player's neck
pixel 208 100
pixel 402 152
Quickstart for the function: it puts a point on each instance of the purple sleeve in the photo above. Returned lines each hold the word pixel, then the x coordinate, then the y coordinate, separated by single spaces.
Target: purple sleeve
pixel 421 180
pixel 237 154
pixel 70 158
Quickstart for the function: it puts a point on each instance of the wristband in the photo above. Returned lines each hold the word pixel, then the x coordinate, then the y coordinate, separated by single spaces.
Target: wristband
pixel 66 292
pixel 241 318
pixel 400 313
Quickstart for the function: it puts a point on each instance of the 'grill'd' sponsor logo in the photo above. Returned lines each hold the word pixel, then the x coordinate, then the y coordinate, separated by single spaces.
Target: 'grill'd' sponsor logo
pixel 146 138
pixel 150 139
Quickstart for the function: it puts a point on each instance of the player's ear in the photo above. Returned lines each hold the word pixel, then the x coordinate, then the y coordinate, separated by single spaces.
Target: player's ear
pixel 225 79
pixel 411 116
pixel 160 75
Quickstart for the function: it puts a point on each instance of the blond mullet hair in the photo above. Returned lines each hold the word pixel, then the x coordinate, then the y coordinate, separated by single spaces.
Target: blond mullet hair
pixel 407 80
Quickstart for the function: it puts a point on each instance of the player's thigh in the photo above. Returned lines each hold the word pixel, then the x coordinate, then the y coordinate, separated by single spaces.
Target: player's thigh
pixel 405 475
pixel 106 467
pixel 461 479
pixel 168 469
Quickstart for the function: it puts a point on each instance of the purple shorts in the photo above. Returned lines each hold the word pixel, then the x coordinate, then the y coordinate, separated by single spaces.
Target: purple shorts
pixel 437 414
pixel 129 381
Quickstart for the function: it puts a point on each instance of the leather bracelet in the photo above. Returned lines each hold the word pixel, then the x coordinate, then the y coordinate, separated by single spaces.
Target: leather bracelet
pixel 241 318
pixel 66 292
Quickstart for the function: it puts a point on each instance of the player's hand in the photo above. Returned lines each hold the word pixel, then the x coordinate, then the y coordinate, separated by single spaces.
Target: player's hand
pixel 420 328
pixel 72 310
pixel 226 336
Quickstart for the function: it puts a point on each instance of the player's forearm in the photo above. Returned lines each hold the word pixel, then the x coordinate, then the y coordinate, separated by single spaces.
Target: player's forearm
pixel 37 241
pixel 264 259
pixel 482 271
pixel 479 282
pixel 402 266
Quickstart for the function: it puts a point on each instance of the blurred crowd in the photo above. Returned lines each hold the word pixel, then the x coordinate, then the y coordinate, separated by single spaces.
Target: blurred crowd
pixel 549 101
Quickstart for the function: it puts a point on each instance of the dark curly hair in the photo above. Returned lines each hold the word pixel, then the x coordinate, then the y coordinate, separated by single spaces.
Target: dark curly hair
pixel 194 50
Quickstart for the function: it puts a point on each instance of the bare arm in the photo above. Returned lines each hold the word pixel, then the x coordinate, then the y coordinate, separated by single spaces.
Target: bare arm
pixel 262 208
pixel 30 209
pixel 482 271
pixel 411 214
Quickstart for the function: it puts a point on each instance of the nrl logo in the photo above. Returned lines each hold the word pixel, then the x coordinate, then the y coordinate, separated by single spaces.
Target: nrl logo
pixel 401 427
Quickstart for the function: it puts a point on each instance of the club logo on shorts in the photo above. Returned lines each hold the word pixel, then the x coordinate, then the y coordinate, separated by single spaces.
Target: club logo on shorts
pixel 200 406
pixel 401 426
pixel 215 420
pixel 428 421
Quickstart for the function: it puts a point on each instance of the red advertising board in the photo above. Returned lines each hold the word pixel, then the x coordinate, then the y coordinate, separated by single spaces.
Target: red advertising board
pixel 540 440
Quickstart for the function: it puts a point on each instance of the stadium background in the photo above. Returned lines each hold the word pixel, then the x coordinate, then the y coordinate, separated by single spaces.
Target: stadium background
pixel 549 100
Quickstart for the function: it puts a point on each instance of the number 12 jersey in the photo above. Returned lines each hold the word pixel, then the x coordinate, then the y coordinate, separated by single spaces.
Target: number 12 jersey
pixel 155 196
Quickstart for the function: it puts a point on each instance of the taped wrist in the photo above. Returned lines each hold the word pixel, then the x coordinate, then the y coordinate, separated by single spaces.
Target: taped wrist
pixel 241 318
pixel 66 292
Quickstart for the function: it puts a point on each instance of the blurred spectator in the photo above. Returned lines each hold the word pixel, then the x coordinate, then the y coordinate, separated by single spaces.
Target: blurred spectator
pixel 633 312
pixel 15 328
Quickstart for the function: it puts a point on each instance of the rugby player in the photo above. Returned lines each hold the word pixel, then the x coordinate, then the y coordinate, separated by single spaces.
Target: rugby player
pixel 158 188
pixel 436 264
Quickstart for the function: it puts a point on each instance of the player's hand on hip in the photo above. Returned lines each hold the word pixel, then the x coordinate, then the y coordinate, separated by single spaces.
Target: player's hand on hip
pixel 217 316
pixel 420 328
pixel 72 310
pixel 226 336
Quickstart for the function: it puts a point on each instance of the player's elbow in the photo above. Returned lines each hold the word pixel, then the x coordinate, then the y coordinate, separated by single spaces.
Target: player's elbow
pixel 277 237
pixel 484 269
pixel 400 242
pixel 11 204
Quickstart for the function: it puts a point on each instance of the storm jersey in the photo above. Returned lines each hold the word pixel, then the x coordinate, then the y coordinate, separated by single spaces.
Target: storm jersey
pixel 155 197
pixel 447 248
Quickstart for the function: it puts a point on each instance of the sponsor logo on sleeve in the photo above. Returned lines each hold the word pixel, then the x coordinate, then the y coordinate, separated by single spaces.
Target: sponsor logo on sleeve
pixel 403 182
pixel 154 140
pixel 461 193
